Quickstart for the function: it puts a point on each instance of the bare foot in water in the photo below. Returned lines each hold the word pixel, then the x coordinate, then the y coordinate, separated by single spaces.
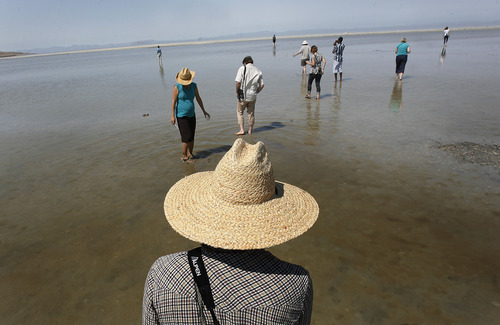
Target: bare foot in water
pixel 240 133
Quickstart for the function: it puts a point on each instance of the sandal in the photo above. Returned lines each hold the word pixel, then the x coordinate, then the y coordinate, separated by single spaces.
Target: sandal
pixel 308 96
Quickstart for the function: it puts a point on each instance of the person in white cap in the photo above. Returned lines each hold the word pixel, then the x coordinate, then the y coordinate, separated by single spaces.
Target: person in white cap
pixel 235 212
pixel 304 50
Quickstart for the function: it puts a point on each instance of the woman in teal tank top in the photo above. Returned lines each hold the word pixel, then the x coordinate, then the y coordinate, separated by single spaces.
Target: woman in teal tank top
pixel 183 95
pixel 402 51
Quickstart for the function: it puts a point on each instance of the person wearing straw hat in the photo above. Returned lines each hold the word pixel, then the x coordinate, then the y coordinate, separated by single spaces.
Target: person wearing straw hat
pixel 235 212
pixel 305 49
pixel 183 96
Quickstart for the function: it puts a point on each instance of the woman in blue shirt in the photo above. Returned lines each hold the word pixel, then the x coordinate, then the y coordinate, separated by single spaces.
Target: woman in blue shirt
pixel 183 96
pixel 402 51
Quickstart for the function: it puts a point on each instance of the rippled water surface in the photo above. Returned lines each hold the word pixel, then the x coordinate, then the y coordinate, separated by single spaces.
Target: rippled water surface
pixel 406 234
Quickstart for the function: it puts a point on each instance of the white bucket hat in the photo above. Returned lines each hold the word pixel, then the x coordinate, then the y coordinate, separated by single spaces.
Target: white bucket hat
pixel 239 205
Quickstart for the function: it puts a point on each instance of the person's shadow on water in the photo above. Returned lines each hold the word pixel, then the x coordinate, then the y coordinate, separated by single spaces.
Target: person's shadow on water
pixel 207 153
pixel 273 125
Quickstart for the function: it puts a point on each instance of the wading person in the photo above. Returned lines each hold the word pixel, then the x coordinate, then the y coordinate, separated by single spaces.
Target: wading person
pixel 158 54
pixel 338 57
pixel 235 212
pixel 183 95
pixel 304 50
pixel 318 64
pixel 249 83
pixel 446 35
pixel 402 51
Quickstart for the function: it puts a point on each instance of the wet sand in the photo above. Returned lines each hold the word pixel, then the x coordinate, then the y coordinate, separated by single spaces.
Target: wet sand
pixel 407 233
pixel 486 155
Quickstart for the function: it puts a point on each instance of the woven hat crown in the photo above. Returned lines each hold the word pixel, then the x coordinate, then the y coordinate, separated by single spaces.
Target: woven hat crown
pixel 244 175
pixel 239 205
pixel 185 76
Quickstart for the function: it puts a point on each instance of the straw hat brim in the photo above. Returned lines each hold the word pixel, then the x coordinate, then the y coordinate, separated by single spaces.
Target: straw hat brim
pixel 196 214
pixel 185 82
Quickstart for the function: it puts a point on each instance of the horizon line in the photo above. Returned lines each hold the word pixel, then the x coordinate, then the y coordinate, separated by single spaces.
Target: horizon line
pixel 215 41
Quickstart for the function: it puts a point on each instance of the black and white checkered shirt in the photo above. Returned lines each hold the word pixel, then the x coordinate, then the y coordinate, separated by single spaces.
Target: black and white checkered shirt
pixel 249 287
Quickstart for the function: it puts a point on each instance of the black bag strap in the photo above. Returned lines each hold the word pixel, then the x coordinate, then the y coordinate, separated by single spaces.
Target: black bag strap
pixel 201 279
pixel 243 82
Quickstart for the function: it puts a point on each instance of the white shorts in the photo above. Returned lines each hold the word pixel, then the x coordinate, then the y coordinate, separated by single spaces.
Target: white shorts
pixel 337 66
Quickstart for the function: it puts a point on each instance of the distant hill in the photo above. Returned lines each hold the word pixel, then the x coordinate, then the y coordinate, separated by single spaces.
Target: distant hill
pixel 252 35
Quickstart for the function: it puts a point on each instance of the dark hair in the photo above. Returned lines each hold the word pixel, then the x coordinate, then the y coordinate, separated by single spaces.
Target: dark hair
pixel 314 47
pixel 247 59
pixel 341 39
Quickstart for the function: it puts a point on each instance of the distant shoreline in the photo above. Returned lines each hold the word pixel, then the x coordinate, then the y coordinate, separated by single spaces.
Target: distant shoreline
pixel 12 55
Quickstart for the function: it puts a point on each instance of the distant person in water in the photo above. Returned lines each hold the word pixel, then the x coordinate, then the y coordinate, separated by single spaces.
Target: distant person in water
pixel 402 51
pixel 318 64
pixel 446 35
pixel 274 40
pixel 338 57
pixel 158 54
pixel 249 83
pixel 305 50
pixel 183 95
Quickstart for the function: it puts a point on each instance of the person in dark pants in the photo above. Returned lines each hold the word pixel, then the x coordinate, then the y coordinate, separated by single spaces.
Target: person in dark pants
pixel 183 96
pixel 402 51
pixel 318 64
pixel 446 35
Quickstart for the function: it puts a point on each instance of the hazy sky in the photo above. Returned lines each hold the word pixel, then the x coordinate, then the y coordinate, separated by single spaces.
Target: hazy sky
pixel 27 24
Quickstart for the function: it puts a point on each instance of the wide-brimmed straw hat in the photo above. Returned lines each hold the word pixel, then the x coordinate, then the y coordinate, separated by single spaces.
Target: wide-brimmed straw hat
pixel 304 43
pixel 239 205
pixel 185 77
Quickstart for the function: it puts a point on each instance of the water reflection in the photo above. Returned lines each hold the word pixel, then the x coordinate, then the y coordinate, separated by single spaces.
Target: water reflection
pixel 162 75
pixel 442 56
pixel 396 104
pixel 312 123
pixel 333 123
pixel 303 86
pixel 336 96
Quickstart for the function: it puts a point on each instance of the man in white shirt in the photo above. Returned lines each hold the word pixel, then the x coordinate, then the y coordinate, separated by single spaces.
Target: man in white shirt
pixel 249 83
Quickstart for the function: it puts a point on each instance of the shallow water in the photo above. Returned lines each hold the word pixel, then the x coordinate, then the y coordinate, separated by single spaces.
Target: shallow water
pixel 406 234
